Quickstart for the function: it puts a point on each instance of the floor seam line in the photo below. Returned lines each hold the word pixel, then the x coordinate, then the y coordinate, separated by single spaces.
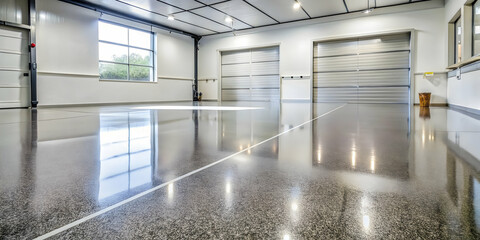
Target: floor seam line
pixel 132 198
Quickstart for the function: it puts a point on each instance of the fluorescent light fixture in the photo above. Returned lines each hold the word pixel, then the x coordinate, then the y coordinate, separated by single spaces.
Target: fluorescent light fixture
pixel 171 17
pixel 228 19
pixel 296 5
pixel 367 11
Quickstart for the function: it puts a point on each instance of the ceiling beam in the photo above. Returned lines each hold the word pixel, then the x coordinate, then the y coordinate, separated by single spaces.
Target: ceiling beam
pixel 346 7
pixel 301 6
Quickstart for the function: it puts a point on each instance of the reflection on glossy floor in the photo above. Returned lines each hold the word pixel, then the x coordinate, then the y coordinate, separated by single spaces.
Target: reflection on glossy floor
pixel 355 171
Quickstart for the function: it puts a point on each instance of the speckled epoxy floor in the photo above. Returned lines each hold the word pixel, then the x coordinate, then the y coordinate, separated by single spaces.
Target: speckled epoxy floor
pixel 358 171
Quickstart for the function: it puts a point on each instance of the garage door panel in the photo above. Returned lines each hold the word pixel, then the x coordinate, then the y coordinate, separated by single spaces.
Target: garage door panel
pixel 272 81
pixel 335 79
pixel 384 60
pixel 377 71
pixel 384 43
pixel 265 94
pixel 13 61
pixel 251 75
pixel 362 78
pixel 236 57
pixel 13 78
pixel 236 95
pixel 383 95
pixel 13 97
pixel 342 63
pixel 265 68
pixel 265 54
pixel 383 77
pixel 236 82
pixel 348 95
pixel 334 48
pixel 236 70
pixel 12 44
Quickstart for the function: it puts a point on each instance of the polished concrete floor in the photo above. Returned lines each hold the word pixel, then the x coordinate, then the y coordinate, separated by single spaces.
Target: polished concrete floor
pixel 246 170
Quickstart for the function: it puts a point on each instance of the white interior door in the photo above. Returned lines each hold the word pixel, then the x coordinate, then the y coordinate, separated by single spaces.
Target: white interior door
pixel 251 75
pixel 14 72
pixel 363 70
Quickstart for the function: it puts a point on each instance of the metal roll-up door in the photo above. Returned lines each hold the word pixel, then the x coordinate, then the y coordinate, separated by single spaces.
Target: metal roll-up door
pixel 14 72
pixel 363 70
pixel 251 75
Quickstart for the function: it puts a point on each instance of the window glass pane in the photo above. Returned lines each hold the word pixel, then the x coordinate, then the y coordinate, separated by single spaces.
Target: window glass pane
pixel 458 43
pixel 476 28
pixel 140 39
pixel 140 57
pixel 112 33
pixel 113 71
pixel 138 73
pixel 112 53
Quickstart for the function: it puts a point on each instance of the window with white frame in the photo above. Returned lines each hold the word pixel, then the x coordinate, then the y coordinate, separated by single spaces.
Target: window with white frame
pixel 125 53
pixel 476 28
pixel 458 40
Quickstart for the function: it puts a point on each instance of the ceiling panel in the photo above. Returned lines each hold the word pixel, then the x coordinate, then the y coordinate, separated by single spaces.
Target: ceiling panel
pixel 152 16
pixel 357 5
pixel 317 8
pixel 198 20
pixel 151 5
pixel 281 10
pixel 241 10
pixel 208 2
pixel 184 4
pixel 218 16
pixel 390 2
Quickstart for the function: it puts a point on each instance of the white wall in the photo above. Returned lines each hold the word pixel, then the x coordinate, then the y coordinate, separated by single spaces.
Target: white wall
pixel 296 42
pixel 436 85
pixel 67 57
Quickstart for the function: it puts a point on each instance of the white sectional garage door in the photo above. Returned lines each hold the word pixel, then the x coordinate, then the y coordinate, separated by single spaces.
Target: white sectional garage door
pixel 14 72
pixel 251 75
pixel 363 70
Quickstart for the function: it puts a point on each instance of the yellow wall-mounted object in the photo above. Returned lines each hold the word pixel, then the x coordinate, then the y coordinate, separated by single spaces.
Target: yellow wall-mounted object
pixel 428 74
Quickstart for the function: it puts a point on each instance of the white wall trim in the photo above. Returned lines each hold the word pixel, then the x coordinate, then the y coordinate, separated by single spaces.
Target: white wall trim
pixel 69 74
pixel 174 78
pixel 248 47
pixel 14 69
pixel 366 34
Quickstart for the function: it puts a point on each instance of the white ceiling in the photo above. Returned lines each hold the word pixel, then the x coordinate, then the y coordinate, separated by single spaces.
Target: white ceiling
pixel 206 17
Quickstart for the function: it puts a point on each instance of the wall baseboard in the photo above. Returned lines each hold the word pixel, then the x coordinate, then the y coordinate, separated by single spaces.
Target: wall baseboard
pixel 468 110
pixel 106 104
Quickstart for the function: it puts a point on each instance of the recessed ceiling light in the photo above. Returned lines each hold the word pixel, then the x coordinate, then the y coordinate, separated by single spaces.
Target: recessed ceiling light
pixel 171 17
pixel 296 5
pixel 228 19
